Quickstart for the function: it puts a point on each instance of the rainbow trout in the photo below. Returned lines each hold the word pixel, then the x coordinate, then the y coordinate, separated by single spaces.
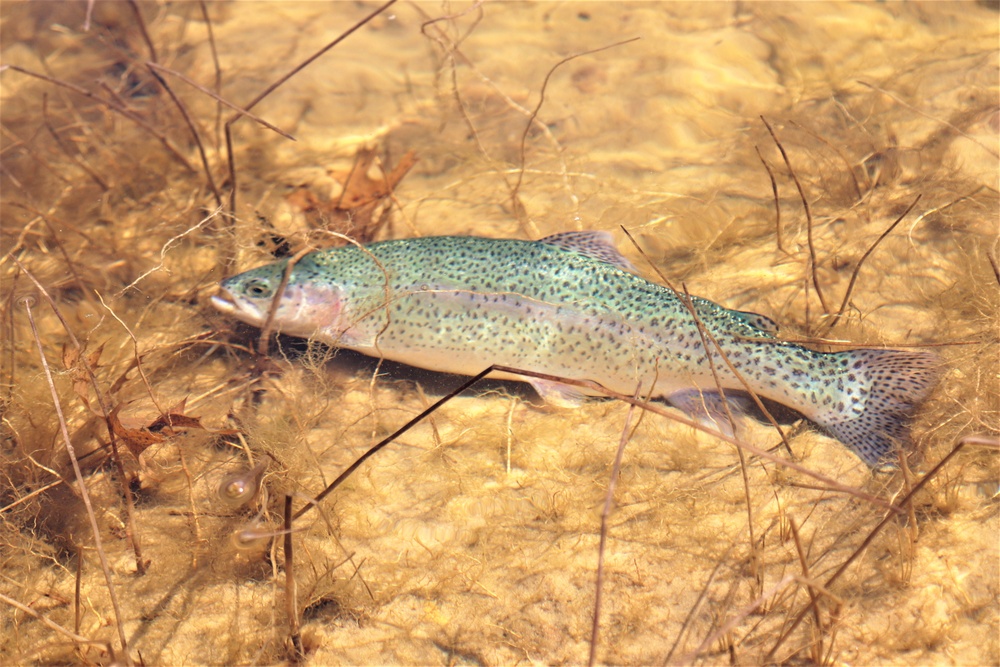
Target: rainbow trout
pixel 570 305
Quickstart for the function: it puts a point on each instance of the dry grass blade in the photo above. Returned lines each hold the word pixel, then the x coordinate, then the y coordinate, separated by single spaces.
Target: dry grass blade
pixel 265 329
pixel 221 100
pixel 115 106
pixel 777 201
pixel 81 485
pixel 685 298
pixel 993 264
pixel 73 155
pixel 135 355
pixel 291 589
pixel 840 154
pixel 398 432
pixel 857 269
pixel 194 132
pixel 692 612
pixel 25 498
pixel 951 126
pixel 133 537
pixel 217 68
pixel 142 29
pixel 830 484
pixel 907 499
pixel 72 636
pixel 809 218
pixel 817 645
pixel 705 338
pixel 167 246
pixel 541 100
pixel 737 619
pixel 609 500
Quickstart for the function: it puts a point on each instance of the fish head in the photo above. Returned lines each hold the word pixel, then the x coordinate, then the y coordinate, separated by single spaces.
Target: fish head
pixel 305 307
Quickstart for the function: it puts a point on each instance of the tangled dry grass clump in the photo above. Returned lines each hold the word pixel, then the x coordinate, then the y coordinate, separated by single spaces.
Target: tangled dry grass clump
pixel 172 487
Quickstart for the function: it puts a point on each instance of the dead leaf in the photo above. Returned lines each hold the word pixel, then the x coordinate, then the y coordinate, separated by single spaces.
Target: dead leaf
pixel 136 439
pixel 360 188
pixel 174 420
pixel 81 372
pixel 359 209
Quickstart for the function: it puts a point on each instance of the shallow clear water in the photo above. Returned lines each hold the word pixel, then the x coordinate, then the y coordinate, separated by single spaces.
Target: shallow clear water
pixel 474 538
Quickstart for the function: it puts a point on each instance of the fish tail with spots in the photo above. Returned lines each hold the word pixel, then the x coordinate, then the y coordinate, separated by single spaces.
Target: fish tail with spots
pixel 865 398
pixel 879 392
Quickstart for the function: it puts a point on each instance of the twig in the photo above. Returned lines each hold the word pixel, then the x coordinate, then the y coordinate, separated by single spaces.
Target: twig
pixel 27 497
pixel 609 499
pixel 937 209
pixel 838 151
pixel 136 356
pixel 868 540
pixel 854 276
pixel 265 329
pixel 194 132
pixel 957 129
pixel 166 246
pixel 72 636
pixel 777 202
pixel 685 298
pixel 84 493
pixel 541 100
pixel 221 100
pixel 130 530
pixel 830 484
pixel 88 16
pixel 77 598
pixel 736 620
pixel 809 219
pixel 291 591
pixel 115 106
pixel 454 54
pixel 75 157
pixel 705 337
pixel 400 431
pixel 697 604
pixel 142 29
pixel 70 264
pixel 216 67
pixel 813 599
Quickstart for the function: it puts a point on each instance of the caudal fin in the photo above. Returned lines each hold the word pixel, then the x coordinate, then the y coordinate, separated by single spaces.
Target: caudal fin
pixel 894 384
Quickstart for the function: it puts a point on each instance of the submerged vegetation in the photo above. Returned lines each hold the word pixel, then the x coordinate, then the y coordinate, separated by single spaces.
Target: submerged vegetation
pixel 171 476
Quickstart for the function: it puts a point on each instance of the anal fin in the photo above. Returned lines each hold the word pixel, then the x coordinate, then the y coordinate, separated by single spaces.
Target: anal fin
pixel 558 394
pixel 709 408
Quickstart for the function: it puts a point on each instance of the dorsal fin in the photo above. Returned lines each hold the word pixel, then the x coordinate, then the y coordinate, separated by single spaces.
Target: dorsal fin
pixel 596 245
pixel 758 321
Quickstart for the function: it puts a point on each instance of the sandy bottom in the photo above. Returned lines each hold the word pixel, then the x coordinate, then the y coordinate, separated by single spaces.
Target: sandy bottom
pixel 474 538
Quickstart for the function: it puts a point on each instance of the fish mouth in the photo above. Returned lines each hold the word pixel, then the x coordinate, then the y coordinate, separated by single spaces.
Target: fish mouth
pixel 226 302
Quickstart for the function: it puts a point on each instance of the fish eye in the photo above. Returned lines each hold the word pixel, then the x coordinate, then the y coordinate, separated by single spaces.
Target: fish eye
pixel 258 287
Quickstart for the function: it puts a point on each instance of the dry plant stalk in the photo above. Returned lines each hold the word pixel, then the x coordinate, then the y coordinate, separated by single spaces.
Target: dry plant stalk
pixel 809 218
pixel 609 500
pixel 81 487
